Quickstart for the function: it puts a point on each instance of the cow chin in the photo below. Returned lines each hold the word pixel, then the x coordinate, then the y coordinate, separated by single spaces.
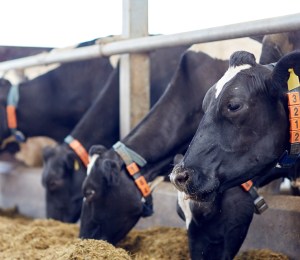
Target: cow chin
pixel 206 197
pixel 94 232
pixel 66 215
pixel 100 232
pixel 196 196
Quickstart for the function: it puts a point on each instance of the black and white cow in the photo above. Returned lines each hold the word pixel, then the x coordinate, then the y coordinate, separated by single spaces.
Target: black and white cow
pixel 216 230
pixel 52 103
pixel 64 167
pixel 64 171
pixel 164 132
pixel 246 127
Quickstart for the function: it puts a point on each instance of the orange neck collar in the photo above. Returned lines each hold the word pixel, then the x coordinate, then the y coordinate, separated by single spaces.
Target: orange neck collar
pixel 78 149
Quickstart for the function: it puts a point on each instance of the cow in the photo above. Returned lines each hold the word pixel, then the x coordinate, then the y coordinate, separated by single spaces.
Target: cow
pixel 146 152
pixel 52 103
pixel 247 128
pixel 64 170
pixel 274 46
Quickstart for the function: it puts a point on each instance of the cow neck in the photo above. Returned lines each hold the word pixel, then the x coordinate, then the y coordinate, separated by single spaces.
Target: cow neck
pixel 168 127
pixel 105 128
pixel 100 124
pixel 25 115
pixel 4 130
pixel 11 113
pixel 133 162
pixel 78 148
pixel 37 114
pixel 289 158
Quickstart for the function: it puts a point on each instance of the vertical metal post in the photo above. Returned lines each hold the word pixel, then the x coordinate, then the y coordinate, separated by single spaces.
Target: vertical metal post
pixel 134 68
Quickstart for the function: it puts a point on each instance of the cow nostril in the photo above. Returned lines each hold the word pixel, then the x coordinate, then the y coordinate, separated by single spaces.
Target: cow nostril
pixel 182 177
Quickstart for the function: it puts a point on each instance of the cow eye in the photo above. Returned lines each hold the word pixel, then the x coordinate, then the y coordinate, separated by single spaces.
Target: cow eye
pixel 233 107
pixel 54 185
pixel 89 194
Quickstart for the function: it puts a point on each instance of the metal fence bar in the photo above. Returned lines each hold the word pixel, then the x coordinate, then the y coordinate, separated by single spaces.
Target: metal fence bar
pixel 258 27
pixel 134 68
pixel 232 31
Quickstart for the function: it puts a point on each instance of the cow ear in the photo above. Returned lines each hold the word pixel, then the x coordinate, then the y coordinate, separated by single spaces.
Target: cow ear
pixel 281 72
pixel 48 151
pixel 97 149
pixel 110 170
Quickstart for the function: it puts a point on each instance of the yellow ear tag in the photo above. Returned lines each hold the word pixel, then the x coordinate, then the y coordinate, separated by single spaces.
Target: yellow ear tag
pixel 293 81
pixel 76 165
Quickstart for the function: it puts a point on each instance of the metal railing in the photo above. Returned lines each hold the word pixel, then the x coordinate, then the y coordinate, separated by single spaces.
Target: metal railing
pixel 252 28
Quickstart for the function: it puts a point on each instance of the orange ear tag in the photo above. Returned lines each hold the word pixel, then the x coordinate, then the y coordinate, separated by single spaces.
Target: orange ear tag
pixel 293 98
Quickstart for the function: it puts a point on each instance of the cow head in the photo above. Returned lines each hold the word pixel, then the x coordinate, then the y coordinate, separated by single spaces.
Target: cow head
pixel 62 177
pixel 244 130
pixel 276 45
pixel 112 203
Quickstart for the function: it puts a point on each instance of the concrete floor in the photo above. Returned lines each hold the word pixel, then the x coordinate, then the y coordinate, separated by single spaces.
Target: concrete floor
pixel 277 229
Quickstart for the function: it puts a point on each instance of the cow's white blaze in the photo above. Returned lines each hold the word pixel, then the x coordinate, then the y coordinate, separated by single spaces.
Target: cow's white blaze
pixel 185 206
pixel 229 74
pixel 92 160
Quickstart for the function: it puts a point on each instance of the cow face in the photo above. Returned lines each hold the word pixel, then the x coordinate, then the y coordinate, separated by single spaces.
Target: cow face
pixel 112 203
pixel 244 130
pixel 62 177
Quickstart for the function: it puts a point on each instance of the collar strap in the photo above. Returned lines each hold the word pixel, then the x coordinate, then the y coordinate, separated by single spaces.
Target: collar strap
pixel 260 204
pixel 12 104
pixel 287 160
pixel 128 155
pixel 132 161
pixel 78 149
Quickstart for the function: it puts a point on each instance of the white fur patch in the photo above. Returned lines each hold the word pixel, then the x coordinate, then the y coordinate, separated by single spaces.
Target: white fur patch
pixel 229 74
pixel 223 49
pixel 184 205
pixel 114 59
pixel 92 160
pixel 19 76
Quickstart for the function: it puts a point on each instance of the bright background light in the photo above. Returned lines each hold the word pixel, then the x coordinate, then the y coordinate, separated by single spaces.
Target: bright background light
pixel 61 23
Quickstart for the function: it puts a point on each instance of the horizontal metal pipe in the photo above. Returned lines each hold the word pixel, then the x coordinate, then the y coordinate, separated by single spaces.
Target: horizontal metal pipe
pixel 246 29
pixel 258 27
pixel 52 57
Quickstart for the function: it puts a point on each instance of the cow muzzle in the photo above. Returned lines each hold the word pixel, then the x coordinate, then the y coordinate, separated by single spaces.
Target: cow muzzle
pixel 193 184
pixel 179 177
